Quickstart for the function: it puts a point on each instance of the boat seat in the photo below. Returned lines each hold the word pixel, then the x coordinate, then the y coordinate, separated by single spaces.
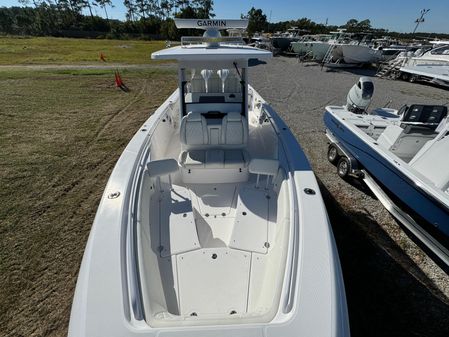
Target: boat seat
pixel 405 142
pixel 159 168
pixel 433 163
pixel 206 158
pixel 214 158
pixel 193 159
pixel 194 130
pixel 429 115
pixel 267 167
pixel 411 140
pixel 234 131
pixel 389 136
pixel 236 158
pixel 198 85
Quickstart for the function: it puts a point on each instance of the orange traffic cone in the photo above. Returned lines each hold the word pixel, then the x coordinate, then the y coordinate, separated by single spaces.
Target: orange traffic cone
pixel 118 80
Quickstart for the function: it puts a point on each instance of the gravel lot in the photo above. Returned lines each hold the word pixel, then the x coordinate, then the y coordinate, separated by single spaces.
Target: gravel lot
pixel 392 287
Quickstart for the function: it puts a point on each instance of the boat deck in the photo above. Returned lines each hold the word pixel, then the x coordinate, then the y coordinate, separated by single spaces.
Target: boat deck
pixel 214 241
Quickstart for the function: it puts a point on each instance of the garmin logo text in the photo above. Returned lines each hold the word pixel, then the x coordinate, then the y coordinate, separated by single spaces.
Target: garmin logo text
pixel 211 23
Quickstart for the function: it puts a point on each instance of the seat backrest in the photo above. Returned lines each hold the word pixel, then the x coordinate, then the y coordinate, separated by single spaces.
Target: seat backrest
pixel 389 136
pixel 233 84
pixel 197 84
pixel 158 168
pixel 234 130
pixel 434 163
pixel 193 130
pixel 214 83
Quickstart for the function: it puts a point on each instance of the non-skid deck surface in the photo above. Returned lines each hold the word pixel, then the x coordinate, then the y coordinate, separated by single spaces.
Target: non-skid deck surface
pixel 213 281
pixel 214 199
pixel 177 228
pixel 214 244
pixel 250 230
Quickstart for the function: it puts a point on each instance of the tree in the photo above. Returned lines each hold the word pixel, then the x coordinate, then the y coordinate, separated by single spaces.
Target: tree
pixel 257 21
pixel 131 10
pixel 351 24
pixel 203 8
pixel 355 26
pixel 364 25
pixel 103 4
pixel 86 4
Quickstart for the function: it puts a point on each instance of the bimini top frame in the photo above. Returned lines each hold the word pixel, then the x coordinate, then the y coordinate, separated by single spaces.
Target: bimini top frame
pixel 212 51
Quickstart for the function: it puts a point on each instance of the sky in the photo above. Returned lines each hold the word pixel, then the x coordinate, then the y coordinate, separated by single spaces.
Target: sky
pixel 396 15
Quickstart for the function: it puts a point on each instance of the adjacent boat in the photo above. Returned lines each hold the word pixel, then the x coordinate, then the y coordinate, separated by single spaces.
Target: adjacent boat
pixel 348 49
pixel 305 46
pixel 360 54
pixel 212 222
pixel 435 56
pixel 402 156
pixel 282 41
pixel 433 73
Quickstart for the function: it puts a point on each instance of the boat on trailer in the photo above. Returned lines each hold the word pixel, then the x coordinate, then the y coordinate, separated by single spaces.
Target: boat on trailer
pixel 402 157
pixel 435 74
pixel 212 222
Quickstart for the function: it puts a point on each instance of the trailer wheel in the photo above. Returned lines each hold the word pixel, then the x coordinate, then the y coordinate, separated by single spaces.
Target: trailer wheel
pixel 332 154
pixel 405 76
pixel 343 167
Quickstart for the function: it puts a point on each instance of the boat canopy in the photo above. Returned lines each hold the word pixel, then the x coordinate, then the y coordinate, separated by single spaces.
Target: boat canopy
pixel 204 53
pixel 211 47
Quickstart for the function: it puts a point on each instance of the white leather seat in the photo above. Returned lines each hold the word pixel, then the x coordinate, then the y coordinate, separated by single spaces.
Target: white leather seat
pixel 197 82
pixel 267 167
pixel 215 158
pixel 193 130
pixel 159 168
pixel 233 84
pixel 234 130
pixel 194 158
pixel 235 158
pixel 204 160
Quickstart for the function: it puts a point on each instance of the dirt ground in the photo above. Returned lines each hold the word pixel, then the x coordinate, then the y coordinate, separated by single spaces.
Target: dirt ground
pixel 60 136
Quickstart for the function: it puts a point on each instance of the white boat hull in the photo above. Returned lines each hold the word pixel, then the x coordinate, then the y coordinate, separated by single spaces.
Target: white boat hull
pixel 437 74
pixel 116 284
pixel 360 54
pixel 301 47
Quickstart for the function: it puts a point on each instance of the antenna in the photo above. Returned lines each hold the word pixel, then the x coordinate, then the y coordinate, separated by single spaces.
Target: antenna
pixel 211 36
pixel 420 19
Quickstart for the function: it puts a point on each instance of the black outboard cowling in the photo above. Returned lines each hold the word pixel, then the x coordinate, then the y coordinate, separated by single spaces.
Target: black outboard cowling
pixel 360 95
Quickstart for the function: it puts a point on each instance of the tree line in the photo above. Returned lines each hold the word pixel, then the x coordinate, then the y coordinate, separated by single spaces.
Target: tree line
pixel 79 17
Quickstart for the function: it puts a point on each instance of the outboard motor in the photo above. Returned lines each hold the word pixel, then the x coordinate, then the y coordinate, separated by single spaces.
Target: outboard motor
pixel 359 97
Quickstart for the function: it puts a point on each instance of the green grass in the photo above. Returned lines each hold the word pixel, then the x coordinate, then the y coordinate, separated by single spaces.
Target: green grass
pixel 51 50
pixel 61 133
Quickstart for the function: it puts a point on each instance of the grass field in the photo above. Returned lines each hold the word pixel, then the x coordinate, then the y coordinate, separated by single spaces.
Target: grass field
pixel 49 50
pixel 61 133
